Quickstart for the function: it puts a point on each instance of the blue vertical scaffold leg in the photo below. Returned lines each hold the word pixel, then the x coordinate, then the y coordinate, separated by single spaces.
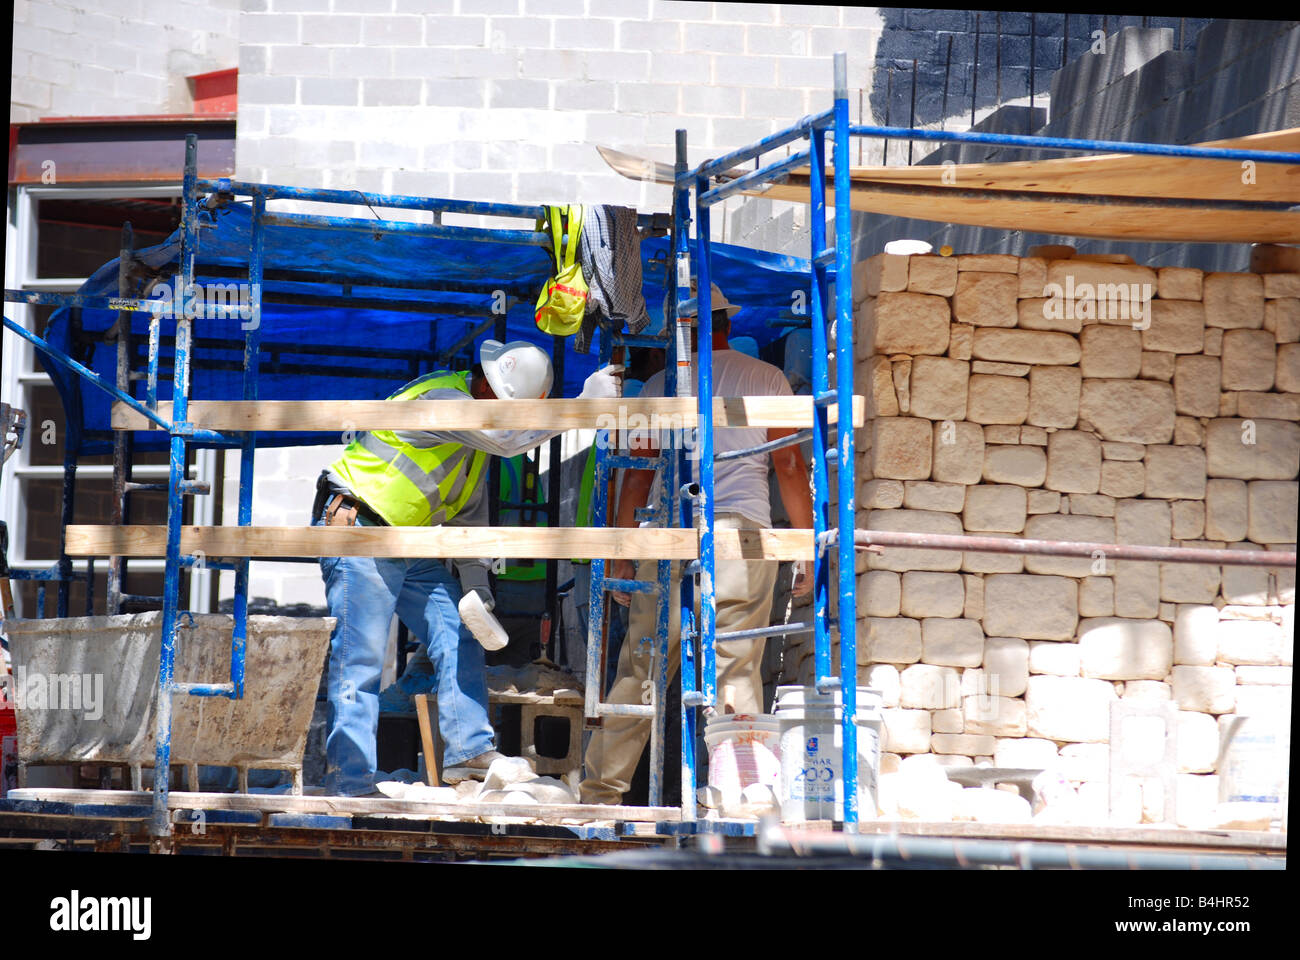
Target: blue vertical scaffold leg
pixel 160 825
pixel 847 619
pixel 248 446
pixel 704 449
pixel 677 382
pixel 820 385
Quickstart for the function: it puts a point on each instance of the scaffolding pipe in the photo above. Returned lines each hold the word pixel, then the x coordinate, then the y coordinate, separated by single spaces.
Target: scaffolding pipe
pixel 1071 548
pixel 892 850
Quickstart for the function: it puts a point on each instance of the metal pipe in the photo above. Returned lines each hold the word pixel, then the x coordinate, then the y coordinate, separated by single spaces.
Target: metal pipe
pixel 248 446
pixel 1093 199
pixel 382 228
pixel 844 428
pixel 630 586
pixel 705 502
pixel 911 118
pixel 793 439
pixel 65 518
pixel 160 826
pixel 1068 548
pixel 1067 143
pixel 469 337
pixel 265 191
pixel 776 630
pixel 820 386
pixel 123 441
pixel 723 164
pixel 677 382
pixel 891 849
pixel 771 172
pixel 60 357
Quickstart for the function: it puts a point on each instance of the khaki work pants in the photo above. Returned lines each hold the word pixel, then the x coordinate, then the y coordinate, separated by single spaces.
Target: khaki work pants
pixel 743 592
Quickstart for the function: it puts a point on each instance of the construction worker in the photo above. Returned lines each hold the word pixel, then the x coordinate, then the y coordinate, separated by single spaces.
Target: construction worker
pixel 742 589
pixel 420 478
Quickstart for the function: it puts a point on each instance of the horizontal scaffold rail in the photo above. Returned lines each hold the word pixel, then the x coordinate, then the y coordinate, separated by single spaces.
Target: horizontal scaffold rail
pixel 1068 548
pixel 541 543
pixel 632 413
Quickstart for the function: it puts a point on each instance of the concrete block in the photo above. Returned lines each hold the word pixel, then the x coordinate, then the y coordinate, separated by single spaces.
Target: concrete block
pixel 901 448
pixel 1110 352
pixel 1177 326
pixel 1069 708
pixel 986 300
pixel 1030 607
pixel 1056 526
pixel 919 521
pixel 957 452
pixel 927 594
pixel 1233 300
pixel 939 388
pixel 1252 449
pixel 952 642
pixel 1073 462
pixel 879 594
pixel 995 507
pixel 1019 464
pixel 1114 648
pixel 1249 360
pixel 1175 472
pixel 927 495
pixel 893 640
pixel 998 399
pixel 1140 411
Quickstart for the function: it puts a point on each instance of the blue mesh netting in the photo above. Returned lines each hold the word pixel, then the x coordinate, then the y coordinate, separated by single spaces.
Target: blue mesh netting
pixel 340 353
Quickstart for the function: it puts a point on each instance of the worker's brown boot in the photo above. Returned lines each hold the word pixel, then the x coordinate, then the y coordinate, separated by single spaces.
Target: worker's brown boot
pixel 475 768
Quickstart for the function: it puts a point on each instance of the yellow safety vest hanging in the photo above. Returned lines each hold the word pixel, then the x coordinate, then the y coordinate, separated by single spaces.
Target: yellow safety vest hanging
pixel 563 301
pixel 412 486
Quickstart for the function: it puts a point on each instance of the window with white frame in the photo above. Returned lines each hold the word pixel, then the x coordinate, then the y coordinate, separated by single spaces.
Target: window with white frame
pixel 56 237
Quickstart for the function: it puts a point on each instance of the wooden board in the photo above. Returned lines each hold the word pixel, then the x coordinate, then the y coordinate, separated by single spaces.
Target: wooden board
pixel 1098 175
pixel 632 413
pixel 367 806
pixel 614 543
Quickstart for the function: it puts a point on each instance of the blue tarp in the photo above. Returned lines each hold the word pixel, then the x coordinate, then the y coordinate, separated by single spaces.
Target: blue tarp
pixel 765 285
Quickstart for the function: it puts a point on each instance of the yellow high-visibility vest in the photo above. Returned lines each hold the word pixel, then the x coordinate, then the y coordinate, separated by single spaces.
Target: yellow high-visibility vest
pixel 412 486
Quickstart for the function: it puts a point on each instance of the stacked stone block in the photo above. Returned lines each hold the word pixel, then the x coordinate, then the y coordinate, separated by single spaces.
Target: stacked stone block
pixel 1084 400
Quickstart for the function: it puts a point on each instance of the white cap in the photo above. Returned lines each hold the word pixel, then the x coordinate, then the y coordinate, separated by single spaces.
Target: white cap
pixel 517 370
pixel 717 300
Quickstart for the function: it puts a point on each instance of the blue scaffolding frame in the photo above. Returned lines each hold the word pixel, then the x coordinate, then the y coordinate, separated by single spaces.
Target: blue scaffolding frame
pixel 687 486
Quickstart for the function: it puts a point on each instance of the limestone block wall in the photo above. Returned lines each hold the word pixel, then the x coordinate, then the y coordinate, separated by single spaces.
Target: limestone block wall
pixel 1084 400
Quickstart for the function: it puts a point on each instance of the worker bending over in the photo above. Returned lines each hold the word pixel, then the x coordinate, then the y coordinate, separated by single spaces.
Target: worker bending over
pixel 422 478
pixel 743 589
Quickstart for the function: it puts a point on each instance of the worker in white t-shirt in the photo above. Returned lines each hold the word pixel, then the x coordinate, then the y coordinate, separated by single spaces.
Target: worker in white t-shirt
pixel 743 589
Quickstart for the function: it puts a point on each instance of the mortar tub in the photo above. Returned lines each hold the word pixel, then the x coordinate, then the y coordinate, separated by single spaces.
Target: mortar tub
pixel 87 691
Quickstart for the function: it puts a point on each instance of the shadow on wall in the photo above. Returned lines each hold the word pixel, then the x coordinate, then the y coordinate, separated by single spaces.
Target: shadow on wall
pixel 1232 78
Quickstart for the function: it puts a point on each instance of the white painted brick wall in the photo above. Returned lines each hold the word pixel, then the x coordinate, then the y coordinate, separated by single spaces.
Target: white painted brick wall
pixel 535 83
pixel 115 56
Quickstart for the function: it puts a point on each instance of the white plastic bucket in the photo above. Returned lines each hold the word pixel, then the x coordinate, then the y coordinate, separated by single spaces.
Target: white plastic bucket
pixel 744 749
pixel 812 781
pixel 1254 754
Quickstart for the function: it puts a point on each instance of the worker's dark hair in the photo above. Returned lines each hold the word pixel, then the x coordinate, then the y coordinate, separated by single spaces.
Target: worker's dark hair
pixel 476 372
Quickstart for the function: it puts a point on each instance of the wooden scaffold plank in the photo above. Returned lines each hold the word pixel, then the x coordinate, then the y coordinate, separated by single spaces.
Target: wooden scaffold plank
pixel 539 543
pixel 633 413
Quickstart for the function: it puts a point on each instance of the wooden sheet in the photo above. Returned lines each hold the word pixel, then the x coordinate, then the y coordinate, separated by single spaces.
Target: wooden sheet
pixel 540 543
pixel 1110 175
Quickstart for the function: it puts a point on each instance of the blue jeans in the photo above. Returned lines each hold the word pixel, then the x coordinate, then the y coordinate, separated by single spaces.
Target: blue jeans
pixel 363 594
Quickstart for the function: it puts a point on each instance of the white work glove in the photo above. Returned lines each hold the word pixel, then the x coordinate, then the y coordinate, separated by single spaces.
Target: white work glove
pixel 487 630
pixel 604 384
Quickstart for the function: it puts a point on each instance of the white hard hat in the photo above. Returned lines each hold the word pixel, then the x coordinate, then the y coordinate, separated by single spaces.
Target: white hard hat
pixel 517 370
pixel 717 300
